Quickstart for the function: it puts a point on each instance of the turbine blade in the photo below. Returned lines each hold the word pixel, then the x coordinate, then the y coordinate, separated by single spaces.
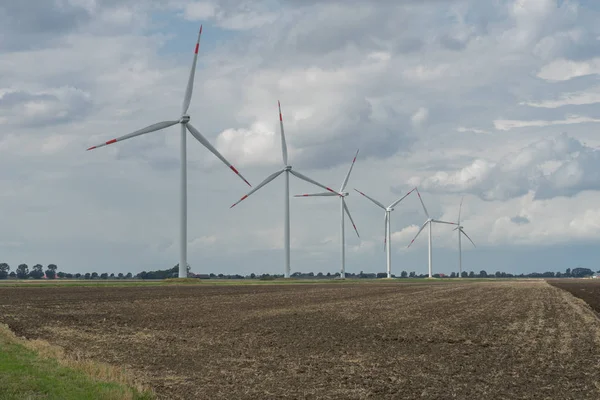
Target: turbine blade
pixel 460 208
pixel 316 194
pixel 373 200
pixel 411 242
pixel 283 143
pixel 455 228
pixel 190 86
pixel 307 179
pixel 443 222
pixel 263 183
pixel 464 233
pixel 349 171
pixel 423 204
pixel 350 216
pixel 148 129
pixel 401 198
pixel 210 147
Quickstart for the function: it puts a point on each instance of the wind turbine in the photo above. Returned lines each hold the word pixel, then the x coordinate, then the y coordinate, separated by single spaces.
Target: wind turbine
pixel 184 120
pixel 428 222
pixel 387 243
pixel 288 170
pixel 460 230
pixel 344 208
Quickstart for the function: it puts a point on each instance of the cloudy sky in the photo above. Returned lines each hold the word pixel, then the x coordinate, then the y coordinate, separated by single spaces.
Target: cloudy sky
pixel 496 101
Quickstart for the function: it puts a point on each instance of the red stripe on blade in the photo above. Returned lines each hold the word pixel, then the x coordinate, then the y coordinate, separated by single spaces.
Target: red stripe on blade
pixel 92 148
pixel 197 46
pixel 111 141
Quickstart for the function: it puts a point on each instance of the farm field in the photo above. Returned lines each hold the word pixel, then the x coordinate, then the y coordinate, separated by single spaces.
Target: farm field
pixel 586 289
pixel 463 340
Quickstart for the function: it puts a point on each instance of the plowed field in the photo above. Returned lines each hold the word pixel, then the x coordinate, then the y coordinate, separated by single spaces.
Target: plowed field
pixel 586 289
pixel 455 340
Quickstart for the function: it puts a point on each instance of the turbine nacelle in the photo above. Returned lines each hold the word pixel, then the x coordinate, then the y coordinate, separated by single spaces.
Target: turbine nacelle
pixel 288 168
pixel 344 194
pixel 184 119
pixel 389 209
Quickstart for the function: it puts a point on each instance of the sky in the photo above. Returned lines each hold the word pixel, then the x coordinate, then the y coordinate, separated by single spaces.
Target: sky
pixel 496 101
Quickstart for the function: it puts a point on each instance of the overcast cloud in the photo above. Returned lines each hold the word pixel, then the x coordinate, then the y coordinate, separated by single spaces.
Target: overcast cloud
pixel 497 101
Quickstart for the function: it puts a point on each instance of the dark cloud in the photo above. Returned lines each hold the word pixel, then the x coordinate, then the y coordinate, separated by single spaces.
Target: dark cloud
pixel 31 109
pixel 519 220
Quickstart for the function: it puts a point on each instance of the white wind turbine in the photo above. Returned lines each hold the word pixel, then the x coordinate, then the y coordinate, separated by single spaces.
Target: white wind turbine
pixel 288 170
pixel 460 230
pixel 387 243
pixel 184 121
pixel 428 222
pixel 343 208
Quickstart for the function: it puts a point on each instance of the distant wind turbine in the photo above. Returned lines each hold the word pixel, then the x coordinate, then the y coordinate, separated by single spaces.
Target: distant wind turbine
pixel 387 243
pixel 344 208
pixel 288 170
pixel 428 222
pixel 460 230
pixel 184 120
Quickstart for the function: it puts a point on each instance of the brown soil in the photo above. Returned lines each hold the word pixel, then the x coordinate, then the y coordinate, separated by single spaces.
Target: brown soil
pixel 586 289
pixel 459 340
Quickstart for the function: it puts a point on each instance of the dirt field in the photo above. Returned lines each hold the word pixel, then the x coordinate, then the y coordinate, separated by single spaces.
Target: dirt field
pixel 586 289
pixel 467 340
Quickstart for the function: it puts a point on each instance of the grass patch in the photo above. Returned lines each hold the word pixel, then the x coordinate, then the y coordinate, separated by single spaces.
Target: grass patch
pixel 38 370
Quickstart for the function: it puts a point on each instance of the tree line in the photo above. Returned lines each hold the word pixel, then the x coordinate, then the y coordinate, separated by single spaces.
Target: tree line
pixel 50 272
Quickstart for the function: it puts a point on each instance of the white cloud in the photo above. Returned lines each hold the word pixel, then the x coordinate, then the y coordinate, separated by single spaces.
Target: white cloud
pixel 579 98
pixel 559 166
pixel 564 70
pixel 420 117
pixel 507 124
pixel 474 130
pixel 86 72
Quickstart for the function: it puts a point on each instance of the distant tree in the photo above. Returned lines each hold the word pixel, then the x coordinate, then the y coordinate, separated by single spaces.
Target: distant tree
pixel 464 274
pixel 53 267
pixel 483 274
pixel 129 275
pixel 328 275
pixel 69 275
pixel 453 275
pixel 87 275
pixel 436 275
pixel 253 276
pixel 568 272
pixel 319 275
pixel 548 274
pixel 61 274
pixel 50 274
pixel 403 274
pixel 78 275
pixel 471 274
pixel 4 270
pixel 12 275
pixel 104 275
pixel 112 275
pixel 94 275
pixel 498 274
pixel 558 275
pixel 412 274
pixel 381 275
pixel 581 272
pixel 37 271
pixel 22 271
pixel 120 275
